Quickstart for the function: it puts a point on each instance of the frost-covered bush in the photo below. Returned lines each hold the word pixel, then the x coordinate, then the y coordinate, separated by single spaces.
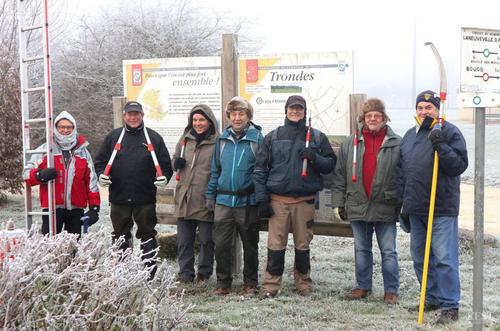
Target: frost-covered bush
pixel 61 283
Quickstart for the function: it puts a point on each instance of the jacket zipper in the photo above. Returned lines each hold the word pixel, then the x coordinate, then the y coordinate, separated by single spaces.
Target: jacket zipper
pixel 232 173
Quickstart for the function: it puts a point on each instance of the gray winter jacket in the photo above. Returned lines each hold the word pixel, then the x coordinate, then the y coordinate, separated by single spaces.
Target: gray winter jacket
pixel 384 203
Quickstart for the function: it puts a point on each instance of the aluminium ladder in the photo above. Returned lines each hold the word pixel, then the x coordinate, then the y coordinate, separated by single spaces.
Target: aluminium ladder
pixel 25 33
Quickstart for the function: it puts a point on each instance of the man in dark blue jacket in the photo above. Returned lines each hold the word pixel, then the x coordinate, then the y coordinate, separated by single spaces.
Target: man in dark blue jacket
pixel 414 179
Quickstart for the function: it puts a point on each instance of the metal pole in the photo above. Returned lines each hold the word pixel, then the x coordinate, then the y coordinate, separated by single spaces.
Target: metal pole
pixel 477 296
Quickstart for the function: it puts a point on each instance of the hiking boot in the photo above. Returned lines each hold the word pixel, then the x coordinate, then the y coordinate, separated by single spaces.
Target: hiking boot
pixel 201 279
pixel 305 292
pixel 267 295
pixel 221 291
pixel 250 289
pixel 448 316
pixel 357 294
pixel 427 307
pixel 391 298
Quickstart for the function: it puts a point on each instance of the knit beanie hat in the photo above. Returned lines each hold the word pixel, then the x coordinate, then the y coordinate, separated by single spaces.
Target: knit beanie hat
pixel 428 96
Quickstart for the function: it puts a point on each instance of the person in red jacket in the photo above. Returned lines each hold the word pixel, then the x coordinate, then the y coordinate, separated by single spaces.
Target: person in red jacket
pixel 75 178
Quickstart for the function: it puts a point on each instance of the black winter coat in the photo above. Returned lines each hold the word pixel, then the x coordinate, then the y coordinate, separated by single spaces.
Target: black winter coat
pixel 133 172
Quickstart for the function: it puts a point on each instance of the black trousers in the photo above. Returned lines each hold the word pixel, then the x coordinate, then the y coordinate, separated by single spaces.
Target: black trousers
pixel 186 235
pixel 69 219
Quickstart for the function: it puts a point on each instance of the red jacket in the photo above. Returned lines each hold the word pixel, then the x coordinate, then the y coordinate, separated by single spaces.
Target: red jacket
pixel 76 185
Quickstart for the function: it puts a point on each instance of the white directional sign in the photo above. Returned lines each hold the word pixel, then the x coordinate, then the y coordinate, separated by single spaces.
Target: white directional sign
pixel 480 69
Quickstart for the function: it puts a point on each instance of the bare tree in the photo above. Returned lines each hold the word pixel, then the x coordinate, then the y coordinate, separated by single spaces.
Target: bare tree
pixel 10 125
pixel 88 67
pixel 87 63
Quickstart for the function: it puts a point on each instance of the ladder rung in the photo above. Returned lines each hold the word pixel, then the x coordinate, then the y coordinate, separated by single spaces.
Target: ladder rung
pixel 32 27
pixel 33 59
pixel 36 120
pixel 34 151
pixel 38 213
pixel 34 89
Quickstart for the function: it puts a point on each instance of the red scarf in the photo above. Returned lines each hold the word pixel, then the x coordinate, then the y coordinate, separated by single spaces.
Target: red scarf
pixel 373 141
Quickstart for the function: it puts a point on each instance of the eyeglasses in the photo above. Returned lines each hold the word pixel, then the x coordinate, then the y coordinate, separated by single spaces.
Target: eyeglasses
pixel 374 116
pixel 65 127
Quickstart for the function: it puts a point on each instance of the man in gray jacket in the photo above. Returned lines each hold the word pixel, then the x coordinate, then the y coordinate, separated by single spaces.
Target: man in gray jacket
pixel 366 196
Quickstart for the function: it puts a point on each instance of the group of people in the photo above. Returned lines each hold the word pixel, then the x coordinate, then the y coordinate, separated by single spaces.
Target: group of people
pixel 227 183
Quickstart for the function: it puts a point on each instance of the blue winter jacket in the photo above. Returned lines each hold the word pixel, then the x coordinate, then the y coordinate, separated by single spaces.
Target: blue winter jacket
pixel 232 167
pixel 416 165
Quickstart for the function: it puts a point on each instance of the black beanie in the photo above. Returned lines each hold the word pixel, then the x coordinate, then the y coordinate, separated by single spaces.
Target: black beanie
pixel 428 96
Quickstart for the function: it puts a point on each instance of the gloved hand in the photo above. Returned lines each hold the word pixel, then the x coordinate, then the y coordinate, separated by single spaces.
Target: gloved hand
pixel 264 210
pixel 210 204
pixel 437 138
pixel 91 216
pixel 161 181
pixel 179 163
pixel 308 153
pixel 45 175
pixel 339 213
pixel 104 180
pixel 404 222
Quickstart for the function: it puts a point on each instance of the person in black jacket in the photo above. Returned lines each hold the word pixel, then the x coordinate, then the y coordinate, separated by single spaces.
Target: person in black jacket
pixel 133 180
pixel 287 196
pixel 415 173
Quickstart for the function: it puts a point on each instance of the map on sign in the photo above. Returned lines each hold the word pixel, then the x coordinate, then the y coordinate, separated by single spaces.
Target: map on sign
pixel 325 80
pixel 480 61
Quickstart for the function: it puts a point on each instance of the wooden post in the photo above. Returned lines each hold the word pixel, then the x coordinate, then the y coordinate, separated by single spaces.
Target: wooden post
pixel 355 103
pixel 229 72
pixel 118 104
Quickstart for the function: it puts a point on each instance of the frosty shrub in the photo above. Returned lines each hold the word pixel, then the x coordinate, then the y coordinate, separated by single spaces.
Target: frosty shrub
pixel 61 283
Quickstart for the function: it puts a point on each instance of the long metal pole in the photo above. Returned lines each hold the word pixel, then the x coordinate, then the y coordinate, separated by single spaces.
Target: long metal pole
pixel 477 294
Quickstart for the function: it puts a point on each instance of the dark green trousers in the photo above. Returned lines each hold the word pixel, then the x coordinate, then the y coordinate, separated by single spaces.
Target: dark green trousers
pixel 227 222
pixel 124 216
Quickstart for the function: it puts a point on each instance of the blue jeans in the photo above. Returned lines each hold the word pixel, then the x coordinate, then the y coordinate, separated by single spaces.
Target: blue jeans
pixel 386 238
pixel 443 281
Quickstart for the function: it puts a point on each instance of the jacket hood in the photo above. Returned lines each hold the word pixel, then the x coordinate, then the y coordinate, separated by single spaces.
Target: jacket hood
pixel 207 111
pixel 67 116
pixel 65 141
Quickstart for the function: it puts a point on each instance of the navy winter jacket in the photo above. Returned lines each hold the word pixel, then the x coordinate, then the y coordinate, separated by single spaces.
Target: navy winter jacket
pixel 278 167
pixel 415 171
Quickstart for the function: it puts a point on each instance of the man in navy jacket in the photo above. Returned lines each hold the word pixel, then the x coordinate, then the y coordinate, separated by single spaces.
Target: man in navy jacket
pixel 415 173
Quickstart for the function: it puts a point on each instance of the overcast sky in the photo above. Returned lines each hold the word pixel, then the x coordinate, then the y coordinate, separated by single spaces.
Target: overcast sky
pixel 381 34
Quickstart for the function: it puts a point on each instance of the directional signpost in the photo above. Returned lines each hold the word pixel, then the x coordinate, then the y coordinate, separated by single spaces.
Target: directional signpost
pixel 480 88
pixel 480 69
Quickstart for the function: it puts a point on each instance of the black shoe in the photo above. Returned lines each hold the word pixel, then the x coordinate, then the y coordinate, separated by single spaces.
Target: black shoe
pixel 427 307
pixel 448 316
